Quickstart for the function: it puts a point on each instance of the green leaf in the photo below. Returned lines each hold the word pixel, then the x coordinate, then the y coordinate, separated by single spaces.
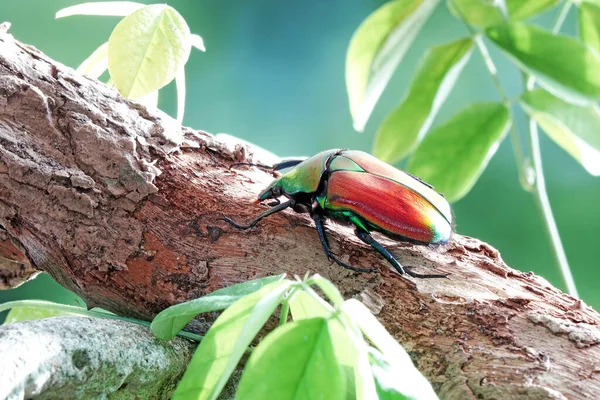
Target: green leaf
pixel 376 49
pixel 146 50
pixel 484 13
pixel 294 362
pixel 562 65
pixel 226 341
pixel 589 24
pixel 96 63
pixel 363 376
pixel 479 13
pixel 111 8
pixel 454 154
pixel 26 312
pixel 304 306
pixel 374 330
pixel 395 383
pixel 329 289
pixel 520 10
pixel 169 321
pixel 409 379
pixel 575 129
pixel 409 122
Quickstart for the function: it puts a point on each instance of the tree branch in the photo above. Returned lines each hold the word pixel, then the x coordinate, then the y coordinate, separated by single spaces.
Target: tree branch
pixel 121 205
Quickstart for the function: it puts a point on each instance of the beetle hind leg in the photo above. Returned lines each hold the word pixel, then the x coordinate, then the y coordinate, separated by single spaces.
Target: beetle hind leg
pixel 368 239
pixel 321 231
pixel 277 208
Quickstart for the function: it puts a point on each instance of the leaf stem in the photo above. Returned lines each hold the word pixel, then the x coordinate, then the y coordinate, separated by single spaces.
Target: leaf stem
pixel 285 305
pixel 540 192
pixel 541 197
pixel 489 63
pixel 285 312
pixel 562 15
pixel 514 133
pixel 537 186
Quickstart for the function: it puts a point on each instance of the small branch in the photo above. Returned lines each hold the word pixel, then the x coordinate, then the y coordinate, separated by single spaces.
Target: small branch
pixel 489 63
pixel 514 133
pixel 542 201
pixel 540 192
pixel 562 15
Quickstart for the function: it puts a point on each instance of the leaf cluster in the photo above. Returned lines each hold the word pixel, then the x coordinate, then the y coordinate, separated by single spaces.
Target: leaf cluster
pixel 452 155
pixel 323 348
pixel 331 349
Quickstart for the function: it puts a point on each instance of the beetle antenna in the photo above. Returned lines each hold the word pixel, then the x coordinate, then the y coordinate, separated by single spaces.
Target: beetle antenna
pixel 253 223
pixel 275 167
pixel 251 164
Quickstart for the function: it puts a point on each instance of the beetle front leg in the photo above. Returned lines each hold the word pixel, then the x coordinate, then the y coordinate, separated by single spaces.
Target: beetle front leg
pixel 270 211
pixel 321 231
pixel 368 239
pixel 274 203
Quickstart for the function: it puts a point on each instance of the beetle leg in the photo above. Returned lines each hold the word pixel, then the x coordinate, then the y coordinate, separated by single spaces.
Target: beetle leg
pixel 368 239
pixel 274 202
pixel 323 238
pixel 270 211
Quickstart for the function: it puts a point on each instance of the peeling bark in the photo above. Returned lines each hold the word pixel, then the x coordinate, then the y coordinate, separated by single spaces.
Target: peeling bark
pixel 121 205
pixel 14 265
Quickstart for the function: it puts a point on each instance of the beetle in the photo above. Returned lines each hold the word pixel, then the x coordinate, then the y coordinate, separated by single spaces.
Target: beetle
pixel 354 187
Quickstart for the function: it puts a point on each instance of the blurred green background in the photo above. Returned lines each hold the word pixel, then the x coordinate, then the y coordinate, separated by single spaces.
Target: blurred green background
pixel 273 74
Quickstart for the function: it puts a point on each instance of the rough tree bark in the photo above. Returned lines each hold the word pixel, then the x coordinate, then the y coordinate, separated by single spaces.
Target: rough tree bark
pixel 120 205
pixel 88 358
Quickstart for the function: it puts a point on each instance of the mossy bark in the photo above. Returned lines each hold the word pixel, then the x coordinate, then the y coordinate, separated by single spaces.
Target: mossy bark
pixel 88 358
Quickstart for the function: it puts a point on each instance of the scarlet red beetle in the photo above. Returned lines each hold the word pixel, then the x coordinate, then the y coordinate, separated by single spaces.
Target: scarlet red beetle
pixel 355 187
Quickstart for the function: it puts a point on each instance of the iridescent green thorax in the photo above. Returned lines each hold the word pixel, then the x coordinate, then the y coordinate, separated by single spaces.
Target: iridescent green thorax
pixel 341 163
pixel 303 178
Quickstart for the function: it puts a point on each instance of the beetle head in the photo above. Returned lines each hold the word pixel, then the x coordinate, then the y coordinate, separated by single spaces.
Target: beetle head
pixel 274 190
